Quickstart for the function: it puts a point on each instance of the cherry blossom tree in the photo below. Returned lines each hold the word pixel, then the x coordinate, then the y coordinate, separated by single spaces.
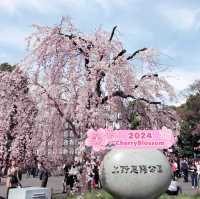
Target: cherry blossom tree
pixel 17 118
pixel 87 80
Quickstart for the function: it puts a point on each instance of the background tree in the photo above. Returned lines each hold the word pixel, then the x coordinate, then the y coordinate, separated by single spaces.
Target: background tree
pixel 87 81
pixel 7 67
pixel 17 116
pixel 189 113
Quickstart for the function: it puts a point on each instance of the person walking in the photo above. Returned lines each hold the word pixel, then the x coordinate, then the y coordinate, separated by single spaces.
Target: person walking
pixel 184 169
pixel 90 176
pixel 66 183
pixel 20 171
pixel 194 176
pixel 96 176
pixel 73 172
pixel 174 167
pixel 44 175
pixel 198 171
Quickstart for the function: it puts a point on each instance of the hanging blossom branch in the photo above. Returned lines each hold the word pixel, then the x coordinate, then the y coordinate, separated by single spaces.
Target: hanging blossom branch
pixel 91 45
pixel 123 95
pixel 59 110
pixel 80 49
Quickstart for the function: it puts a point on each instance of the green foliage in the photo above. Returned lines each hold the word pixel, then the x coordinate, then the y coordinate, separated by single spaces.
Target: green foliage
pixel 186 140
pixel 190 120
pixel 135 120
pixel 7 67
pixel 104 195
pixel 89 195
pixel 179 197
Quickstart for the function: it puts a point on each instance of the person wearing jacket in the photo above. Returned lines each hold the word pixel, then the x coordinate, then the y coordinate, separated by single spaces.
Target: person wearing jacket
pixel 43 174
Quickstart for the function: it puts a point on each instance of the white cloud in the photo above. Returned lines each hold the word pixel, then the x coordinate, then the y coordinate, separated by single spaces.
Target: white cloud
pixel 105 4
pixel 43 6
pixel 40 6
pixel 54 6
pixel 181 78
pixel 8 5
pixel 181 18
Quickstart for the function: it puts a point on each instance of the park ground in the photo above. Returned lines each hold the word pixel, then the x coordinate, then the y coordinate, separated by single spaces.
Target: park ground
pixel 103 195
pixel 55 185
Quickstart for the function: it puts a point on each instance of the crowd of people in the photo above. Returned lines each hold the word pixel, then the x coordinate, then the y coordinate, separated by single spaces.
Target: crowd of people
pixel 14 173
pixel 78 176
pixel 84 176
pixel 188 169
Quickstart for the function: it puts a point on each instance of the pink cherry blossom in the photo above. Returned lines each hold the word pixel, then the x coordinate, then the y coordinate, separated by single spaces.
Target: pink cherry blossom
pixel 96 139
pixel 17 118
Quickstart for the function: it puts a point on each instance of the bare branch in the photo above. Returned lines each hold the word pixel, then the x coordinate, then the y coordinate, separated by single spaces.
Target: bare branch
pixel 135 53
pixel 71 36
pixel 148 76
pixel 119 54
pixel 112 34
pixel 123 95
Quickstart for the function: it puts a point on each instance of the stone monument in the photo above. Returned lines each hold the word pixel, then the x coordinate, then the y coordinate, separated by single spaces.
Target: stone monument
pixel 135 173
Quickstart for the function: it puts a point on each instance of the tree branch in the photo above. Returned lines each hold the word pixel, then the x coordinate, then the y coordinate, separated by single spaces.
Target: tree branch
pixel 121 93
pixel 53 100
pixel 148 76
pixel 112 34
pixel 98 86
pixel 123 51
pixel 135 53
pixel 89 46
pixel 72 127
pixel 59 110
pixel 125 96
pixel 119 54
pixel 72 36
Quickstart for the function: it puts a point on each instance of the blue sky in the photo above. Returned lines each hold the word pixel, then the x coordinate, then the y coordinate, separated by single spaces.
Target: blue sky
pixel 172 26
